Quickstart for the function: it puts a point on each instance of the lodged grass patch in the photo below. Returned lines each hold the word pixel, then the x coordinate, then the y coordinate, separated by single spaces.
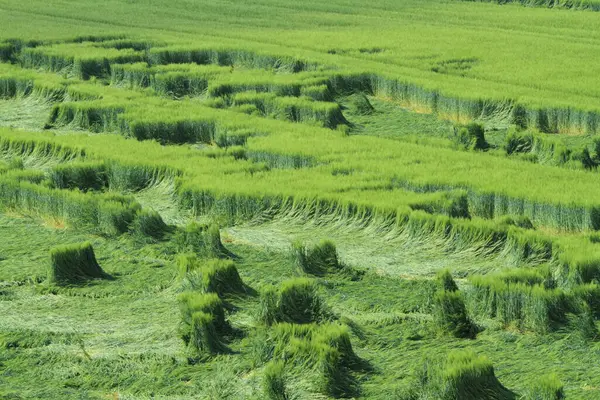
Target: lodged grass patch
pixel 210 94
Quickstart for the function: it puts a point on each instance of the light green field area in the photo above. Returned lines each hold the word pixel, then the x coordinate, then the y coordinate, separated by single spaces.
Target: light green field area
pixel 299 200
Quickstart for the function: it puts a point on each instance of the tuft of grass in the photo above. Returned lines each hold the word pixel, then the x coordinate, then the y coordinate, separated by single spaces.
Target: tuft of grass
pixel 210 276
pixel 520 221
pixel 221 277
pixel 203 240
pixel 274 381
pixel 470 136
pixel 360 104
pixel 450 315
pixel 322 349
pixel 74 264
pixel 321 259
pixel 318 260
pixel 462 375
pixel 204 337
pixel 469 376
pixel 203 322
pixel 295 301
pixel 583 324
pixel 149 223
pixel 546 387
pixel 445 281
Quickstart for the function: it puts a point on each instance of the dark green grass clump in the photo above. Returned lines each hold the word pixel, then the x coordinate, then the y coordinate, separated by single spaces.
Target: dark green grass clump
pixel 590 294
pixel 204 337
pixel 203 323
pixel 470 136
pixel 450 315
pixel 520 221
pixel 203 240
pixel 322 350
pixel 525 298
pixel 274 381
pixel 318 260
pixel 547 387
pixel 360 104
pixel 296 301
pixel 445 281
pixel 74 263
pixel 82 176
pixel 149 223
pixel 210 276
pixel 463 375
pixel 468 376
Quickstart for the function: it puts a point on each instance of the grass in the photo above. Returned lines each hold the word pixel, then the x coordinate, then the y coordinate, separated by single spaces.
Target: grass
pixel 73 264
pixel 295 301
pixel 114 335
pixel 326 207
pixel 274 381
pixel 450 315
pixel 578 5
pixel 210 276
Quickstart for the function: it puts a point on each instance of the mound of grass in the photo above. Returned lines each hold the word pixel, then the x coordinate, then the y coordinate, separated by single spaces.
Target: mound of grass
pixel 547 387
pixel 74 263
pixel 463 375
pixel 582 322
pixel 450 315
pixel 222 277
pixel 468 376
pixel 520 221
pixel 322 349
pixel 321 259
pixel 187 263
pixel 445 281
pixel 203 240
pixel 210 276
pixel 590 294
pixel 470 136
pixel 318 260
pixel 521 298
pixel 203 322
pixel 295 301
pixel 274 381
pixel 204 336
pixel 149 223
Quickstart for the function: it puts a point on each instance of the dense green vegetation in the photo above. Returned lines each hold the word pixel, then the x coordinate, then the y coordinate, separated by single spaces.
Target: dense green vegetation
pixel 570 4
pixel 293 200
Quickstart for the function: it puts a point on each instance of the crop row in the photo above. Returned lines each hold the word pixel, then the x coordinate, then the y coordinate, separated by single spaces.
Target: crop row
pixel 222 188
pixel 87 59
pixel 593 5
pixel 534 191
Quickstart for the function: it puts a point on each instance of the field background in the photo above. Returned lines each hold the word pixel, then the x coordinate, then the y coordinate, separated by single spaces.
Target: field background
pixel 417 138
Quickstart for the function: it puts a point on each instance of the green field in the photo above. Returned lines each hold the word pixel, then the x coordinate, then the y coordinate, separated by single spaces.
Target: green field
pixel 299 200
